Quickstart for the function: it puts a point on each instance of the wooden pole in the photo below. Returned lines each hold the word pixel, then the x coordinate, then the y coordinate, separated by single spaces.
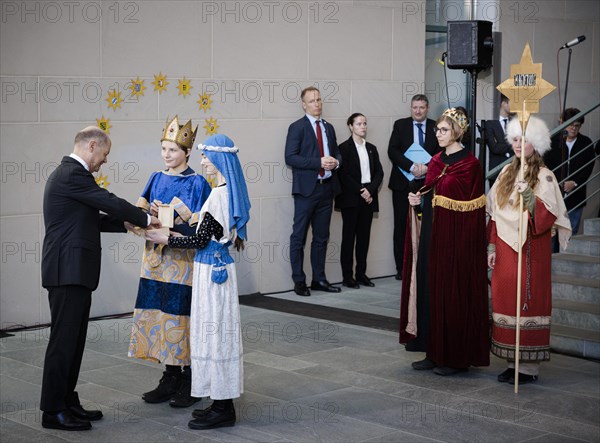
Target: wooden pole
pixel 521 177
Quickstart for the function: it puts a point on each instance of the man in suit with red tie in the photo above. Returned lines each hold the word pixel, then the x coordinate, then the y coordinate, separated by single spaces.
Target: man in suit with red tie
pixel 71 269
pixel 311 151
pixel 500 150
pixel 414 129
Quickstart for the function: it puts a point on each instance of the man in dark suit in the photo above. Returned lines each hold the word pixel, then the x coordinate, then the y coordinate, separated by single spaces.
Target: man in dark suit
pixel 414 129
pixel 571 158
pixel 495 131
pixel 71 269
pixel 311 151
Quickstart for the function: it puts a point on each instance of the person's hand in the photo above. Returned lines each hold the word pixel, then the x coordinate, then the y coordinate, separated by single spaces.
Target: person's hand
pixel 154 207
pixel 154 222
pixel 329 163
pixel 491 260
pixel 569 185
pixel 176 234
pixel 365 194
pixel 414 199
pixel 130 227
pixel 156 236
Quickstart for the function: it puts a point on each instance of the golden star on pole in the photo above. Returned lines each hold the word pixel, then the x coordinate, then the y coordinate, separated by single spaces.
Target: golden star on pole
pixel 211 126
pixel 525 87
pixel 104 124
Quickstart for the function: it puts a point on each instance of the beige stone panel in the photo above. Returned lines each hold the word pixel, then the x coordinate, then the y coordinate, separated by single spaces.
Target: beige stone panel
pixel 514 37
pixel 384 99
pixel 582 10
pixel 19 99
pixel 258 40
pixel 230 99
pixel 50 38
pixel 354 43
pixel 28 156
pixel 20 279
pixel 282 98
pixel 409 42
pixel 145 38
pixel 248 261
pixel 85 100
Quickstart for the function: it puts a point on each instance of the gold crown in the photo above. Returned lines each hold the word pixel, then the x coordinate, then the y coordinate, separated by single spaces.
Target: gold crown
pixel 458 117
pixel 183 136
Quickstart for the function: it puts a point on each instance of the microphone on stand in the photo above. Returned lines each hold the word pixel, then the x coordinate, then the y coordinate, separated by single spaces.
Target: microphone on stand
pixel 573 42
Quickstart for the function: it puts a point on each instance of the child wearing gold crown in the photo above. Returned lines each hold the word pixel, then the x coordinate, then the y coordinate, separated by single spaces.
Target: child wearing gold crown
pixel 161 319
pixel 450 306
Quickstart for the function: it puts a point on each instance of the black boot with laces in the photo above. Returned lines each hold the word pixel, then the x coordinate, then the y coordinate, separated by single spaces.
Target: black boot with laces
pixel 167 386
pixel 183 397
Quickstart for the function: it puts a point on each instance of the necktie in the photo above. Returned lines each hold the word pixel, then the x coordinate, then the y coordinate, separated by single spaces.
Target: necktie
pixel 320 142
pixel 504 124
pixel 421 141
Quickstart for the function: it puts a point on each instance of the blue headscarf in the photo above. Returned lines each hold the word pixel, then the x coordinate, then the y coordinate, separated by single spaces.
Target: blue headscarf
pixel 222 153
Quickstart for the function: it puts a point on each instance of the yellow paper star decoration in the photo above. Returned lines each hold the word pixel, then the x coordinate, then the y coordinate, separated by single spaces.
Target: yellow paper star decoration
pixel 211 126
pixel 137 87
pixel 205 101
pixel 114 99
pixel 160 83
pixel 104 124
pixel 184 87
pixel 525 87
pixel 102 181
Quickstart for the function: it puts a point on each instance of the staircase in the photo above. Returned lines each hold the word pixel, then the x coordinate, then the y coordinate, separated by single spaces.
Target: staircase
pixel 576 295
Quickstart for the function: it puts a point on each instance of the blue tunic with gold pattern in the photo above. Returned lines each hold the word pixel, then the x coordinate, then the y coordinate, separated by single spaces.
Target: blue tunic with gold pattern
pixel 161 330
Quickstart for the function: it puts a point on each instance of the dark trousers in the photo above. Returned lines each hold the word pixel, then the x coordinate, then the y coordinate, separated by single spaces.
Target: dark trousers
pixel 356 230
pixel 69 311
pixel 314 211
pixel 400 203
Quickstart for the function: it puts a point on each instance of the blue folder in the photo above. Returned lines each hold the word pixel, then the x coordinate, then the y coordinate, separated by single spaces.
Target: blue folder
pixel 416 154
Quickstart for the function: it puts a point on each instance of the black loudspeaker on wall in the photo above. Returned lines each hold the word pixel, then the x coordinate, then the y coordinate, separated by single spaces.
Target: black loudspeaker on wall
pixel 470 44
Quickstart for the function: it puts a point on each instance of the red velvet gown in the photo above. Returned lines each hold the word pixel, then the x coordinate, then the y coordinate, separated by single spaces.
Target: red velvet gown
pixel 458 296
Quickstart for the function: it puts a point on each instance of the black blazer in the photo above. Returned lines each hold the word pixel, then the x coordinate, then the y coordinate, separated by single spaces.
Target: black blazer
pixel 72 201
pixel 349 176
pixel 401 139
pixel 555 157
pixel 497 145
pixel 303 156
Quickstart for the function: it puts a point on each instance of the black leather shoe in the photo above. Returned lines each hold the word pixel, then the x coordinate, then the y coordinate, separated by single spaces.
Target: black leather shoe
pixel 85 414
pixel 399 276
pixel 200 413
pixel 301 289
pixel 423 365
pixel 183 397
pixel 64 421
pixel 214 418
pixel 351 283
pixel 524 379
pixel 364 280
pixel 446 370
pixel 166 389
pixel 324 285
pixel 507 375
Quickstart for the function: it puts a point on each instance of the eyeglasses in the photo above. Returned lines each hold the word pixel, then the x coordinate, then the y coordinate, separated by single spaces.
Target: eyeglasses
pixel 443 131
pixel 575 125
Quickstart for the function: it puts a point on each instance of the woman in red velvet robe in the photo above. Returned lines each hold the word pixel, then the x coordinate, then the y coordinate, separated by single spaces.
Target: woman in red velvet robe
pixel 544 208
pixel 458 300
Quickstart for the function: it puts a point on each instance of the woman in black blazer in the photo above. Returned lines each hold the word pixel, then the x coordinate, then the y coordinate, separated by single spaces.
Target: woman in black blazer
pixel 360 176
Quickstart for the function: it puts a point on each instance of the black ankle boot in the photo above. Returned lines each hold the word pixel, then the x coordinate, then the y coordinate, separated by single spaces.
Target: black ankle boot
pixel 167 386
pixel 220 414
pixel 183 397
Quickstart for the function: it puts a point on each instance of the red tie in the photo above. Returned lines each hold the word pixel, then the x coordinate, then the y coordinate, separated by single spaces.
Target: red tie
pixel 320 141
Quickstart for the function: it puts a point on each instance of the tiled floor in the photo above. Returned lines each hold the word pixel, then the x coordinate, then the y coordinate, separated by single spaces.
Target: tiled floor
pixel 308 379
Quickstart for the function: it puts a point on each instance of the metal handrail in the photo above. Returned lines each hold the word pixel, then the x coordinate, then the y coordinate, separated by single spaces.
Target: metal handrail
pixel 555 131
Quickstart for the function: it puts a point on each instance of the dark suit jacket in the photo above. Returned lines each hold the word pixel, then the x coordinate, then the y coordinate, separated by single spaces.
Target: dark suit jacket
pixel 303 156
pixel 555 157
pixel 497 145
pixel 349 176
pixel 72 201
pixel 400 140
